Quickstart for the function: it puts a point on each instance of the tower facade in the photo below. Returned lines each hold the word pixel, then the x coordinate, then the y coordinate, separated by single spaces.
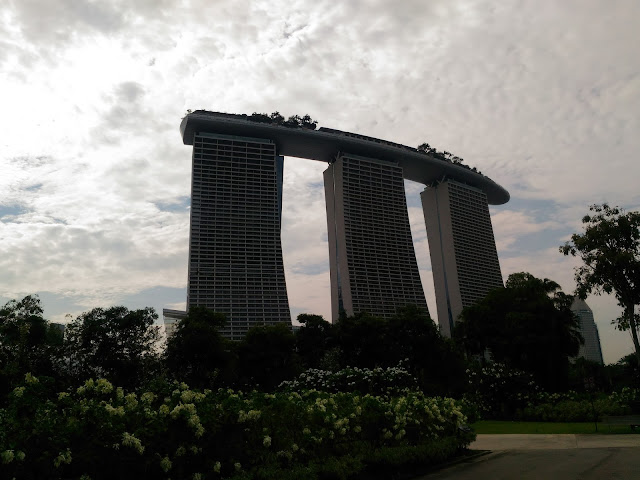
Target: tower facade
pixel 463 252
pixel 373 265
pixel 591 350
pixel 235 253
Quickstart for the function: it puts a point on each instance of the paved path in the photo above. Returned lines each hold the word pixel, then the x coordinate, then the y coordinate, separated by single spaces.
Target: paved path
pixel 553 442
pixel 549 457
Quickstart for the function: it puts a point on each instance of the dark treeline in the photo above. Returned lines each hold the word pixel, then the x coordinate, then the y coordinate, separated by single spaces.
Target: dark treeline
pixel 124 347
pixel 527 326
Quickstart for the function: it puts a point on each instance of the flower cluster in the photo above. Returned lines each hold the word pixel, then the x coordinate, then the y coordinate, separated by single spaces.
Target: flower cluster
pixel 498 390
pixel 191 434
pixel 376 381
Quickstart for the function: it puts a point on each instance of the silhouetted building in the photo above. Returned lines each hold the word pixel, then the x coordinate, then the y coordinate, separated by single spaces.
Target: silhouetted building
pixel 235 255
pixel 463 252
pixel 171 319
pixel 591 349
pixel 372 259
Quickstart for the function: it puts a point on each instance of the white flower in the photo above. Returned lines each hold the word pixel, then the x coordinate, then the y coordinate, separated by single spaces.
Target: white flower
pixel 7 456
pixel 165 464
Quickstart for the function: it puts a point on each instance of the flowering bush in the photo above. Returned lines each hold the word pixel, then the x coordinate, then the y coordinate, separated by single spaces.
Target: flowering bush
pixel 629 397
pixel 498 391
pixel 377 381
pixel 579 407
pixel 98 431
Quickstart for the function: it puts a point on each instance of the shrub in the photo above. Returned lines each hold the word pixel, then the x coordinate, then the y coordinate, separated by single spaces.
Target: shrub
pixel 103 432
pixel 376 381
pixel 498 391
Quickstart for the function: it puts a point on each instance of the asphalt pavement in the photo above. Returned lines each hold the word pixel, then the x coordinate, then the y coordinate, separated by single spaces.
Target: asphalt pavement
pixel 548 457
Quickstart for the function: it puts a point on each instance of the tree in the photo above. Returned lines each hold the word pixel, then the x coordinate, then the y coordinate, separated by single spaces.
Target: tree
pixel 314 339
pixel 363 341
pixel 28 342
pixel 117 343
pixel 266 356
pixel 196 353
pixel 610 251
pixel 528 325
pixel 415 340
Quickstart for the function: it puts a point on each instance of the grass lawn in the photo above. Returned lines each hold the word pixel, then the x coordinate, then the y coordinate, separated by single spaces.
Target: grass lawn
pixel 491 426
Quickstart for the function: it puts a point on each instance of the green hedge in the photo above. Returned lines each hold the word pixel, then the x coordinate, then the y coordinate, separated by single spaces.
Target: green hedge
pixel 102 432
pixel 574 410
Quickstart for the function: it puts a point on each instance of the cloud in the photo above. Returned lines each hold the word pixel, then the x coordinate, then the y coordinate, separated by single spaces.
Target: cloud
pixel 540 97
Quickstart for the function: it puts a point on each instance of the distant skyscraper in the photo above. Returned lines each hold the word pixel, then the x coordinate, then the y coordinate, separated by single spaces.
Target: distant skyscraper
pixel 235 254
pixel 463 252
pixel 171 319
pixel 591 350
pixel 372 260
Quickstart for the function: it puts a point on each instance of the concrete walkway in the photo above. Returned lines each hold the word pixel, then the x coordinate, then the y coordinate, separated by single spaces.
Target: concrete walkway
pixel 552 441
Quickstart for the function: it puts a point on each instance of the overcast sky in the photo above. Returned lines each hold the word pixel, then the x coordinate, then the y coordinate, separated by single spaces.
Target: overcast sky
pixel 543 96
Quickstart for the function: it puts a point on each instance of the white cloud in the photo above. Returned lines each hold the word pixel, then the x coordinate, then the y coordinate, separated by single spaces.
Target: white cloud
pixel 540 97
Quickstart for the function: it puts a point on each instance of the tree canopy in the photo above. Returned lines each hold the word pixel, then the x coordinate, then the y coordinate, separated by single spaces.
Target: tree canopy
pixel 115 343
pixel 610 252
pixel 528 325
pixel 196 353
pixel 28 342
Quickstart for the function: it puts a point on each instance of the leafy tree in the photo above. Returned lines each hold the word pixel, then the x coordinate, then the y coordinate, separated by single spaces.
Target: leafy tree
pixel 197 353
pixel 623 373
pixel 363 341
pixel 277 118
pixel 308 122
pixel 28 342
pixel 409 338
pixel 314 339
pixel 528 325
pixel 610 251
pixel 117 343
pixel 266 357
pixel 415 340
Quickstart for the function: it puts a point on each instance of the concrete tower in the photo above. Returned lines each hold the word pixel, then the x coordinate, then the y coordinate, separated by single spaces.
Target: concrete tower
pixel 463 252
pixel 235 254
pixel 235 257
pixel 373 265
pixel 591 350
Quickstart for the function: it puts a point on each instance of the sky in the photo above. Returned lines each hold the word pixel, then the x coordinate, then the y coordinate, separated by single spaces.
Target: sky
pixel 542 96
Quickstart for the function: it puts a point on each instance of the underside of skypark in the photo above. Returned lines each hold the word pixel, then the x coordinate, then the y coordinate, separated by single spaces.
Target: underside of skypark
pixel 235 253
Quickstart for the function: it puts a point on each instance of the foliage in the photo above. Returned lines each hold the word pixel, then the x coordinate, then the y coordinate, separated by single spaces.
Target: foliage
pixel 448 156
pixel 362 342
pixel 377 381
pixel 624 373
pixel 294 121
pixel 498 391
pixel 267 357
pixel 314 339
pixel 582 410
pixel 415 340
pixel 104 432
pixel 115 343
pixel 411 337
pixel 28 342
pixel 629 397
pixel 610 251
pixel 528 325
pixel 197 353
